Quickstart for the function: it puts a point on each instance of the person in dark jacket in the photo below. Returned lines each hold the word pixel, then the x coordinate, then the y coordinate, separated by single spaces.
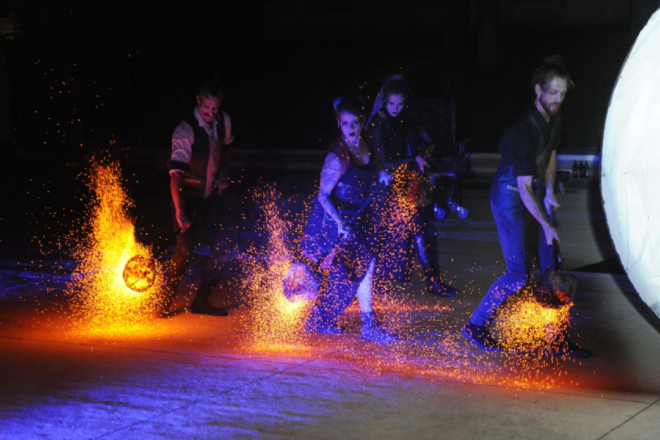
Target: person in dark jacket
pixel 198 175
pixel 522 195
pixel 396 137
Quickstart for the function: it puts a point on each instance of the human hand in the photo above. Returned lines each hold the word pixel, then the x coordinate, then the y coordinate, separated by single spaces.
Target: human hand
pixel 421 163
pixel 551 234
pixel 550 202
pixel 220 186
pixel 182 220
pixel 343 230
pixel 385 177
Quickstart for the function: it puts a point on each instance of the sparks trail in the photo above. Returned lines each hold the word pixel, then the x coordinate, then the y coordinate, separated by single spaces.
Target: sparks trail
pixel 530 332
pixel 102 301
pixel 430 345
pixel 272 321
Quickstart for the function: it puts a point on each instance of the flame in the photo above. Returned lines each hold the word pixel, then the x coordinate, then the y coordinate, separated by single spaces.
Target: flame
pixel 103 302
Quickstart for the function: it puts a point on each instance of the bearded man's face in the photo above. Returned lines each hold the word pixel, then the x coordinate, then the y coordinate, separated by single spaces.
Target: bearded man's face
pixel 551 96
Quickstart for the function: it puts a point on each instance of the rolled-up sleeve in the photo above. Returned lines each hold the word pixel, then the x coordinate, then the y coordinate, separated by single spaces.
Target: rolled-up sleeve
pixel 182 140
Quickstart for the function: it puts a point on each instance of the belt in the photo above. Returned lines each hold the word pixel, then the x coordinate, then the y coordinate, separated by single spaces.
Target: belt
pixel 349 192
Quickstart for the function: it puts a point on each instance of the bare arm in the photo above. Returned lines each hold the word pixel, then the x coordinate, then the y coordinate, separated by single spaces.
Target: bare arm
pixel 535 207
pixel 176 186
pixel 330 175
pixel 383 175
pixel 550 201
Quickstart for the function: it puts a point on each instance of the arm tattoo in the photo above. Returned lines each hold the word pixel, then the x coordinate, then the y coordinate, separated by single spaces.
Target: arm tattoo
pixel 330 175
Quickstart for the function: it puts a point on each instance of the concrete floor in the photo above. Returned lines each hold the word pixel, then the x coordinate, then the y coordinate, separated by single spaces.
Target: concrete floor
pixel 206 377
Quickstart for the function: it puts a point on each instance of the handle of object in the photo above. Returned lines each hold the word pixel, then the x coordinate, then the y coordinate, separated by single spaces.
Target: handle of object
pixel 350 224
pixel 556 254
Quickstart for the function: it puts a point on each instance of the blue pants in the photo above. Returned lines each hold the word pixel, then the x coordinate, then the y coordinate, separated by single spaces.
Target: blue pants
pixel 515 235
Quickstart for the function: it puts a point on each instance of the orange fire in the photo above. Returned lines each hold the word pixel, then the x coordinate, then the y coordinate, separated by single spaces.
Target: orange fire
pixel 102 299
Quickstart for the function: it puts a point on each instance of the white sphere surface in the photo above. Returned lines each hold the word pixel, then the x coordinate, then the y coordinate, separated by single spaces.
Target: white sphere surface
pixel 630 173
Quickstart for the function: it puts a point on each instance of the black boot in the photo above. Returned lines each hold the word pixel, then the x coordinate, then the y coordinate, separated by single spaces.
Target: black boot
pixel 563 347
pixel 315 323
pixel 200 304
pixel 435 284
pixel 481 337
pixel 372 330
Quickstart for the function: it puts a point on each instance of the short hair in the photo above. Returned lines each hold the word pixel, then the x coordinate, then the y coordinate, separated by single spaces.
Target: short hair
pixel 213 88
pixel 352 105
pixel 551 68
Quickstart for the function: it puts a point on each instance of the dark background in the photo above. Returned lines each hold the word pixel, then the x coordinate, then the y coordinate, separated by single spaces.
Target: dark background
pixel 129 71
pixel 84 76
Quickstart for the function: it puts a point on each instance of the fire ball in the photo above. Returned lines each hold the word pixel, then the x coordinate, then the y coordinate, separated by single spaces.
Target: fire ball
pixel 300 284
pixel 139 273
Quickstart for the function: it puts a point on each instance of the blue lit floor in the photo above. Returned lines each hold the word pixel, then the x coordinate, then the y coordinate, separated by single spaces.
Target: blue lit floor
pixel 203 377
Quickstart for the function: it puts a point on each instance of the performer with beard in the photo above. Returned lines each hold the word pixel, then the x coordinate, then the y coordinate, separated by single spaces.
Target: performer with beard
pixel 521 195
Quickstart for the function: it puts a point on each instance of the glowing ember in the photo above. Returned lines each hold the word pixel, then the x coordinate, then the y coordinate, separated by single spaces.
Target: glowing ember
pixel 525 325
pixel 532 335
pixel 430 340
pixel 102 299
pixel 273 320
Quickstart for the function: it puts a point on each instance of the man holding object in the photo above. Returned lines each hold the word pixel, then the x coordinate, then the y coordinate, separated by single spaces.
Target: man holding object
pixel 198 175
pixel 521 195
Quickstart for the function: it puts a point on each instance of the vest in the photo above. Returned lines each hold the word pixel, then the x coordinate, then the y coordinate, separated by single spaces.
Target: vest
pixel 194 179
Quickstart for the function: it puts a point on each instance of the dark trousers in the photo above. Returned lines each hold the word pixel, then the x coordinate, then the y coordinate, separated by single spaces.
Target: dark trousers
pixel 338 294
pixel 344 277
pixel 209 227
pixel 515 237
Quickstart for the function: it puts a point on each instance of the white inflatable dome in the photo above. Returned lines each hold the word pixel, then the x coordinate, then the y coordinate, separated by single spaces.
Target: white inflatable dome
pixel 630 170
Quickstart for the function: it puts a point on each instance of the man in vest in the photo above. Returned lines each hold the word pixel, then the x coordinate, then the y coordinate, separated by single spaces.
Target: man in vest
pixel 522 195
pixel 198 174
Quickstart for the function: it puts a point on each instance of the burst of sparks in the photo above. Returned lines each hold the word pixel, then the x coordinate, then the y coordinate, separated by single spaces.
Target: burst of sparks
pixel 103 302
pixel 531 333
pixel 274 322
pixel 430 342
